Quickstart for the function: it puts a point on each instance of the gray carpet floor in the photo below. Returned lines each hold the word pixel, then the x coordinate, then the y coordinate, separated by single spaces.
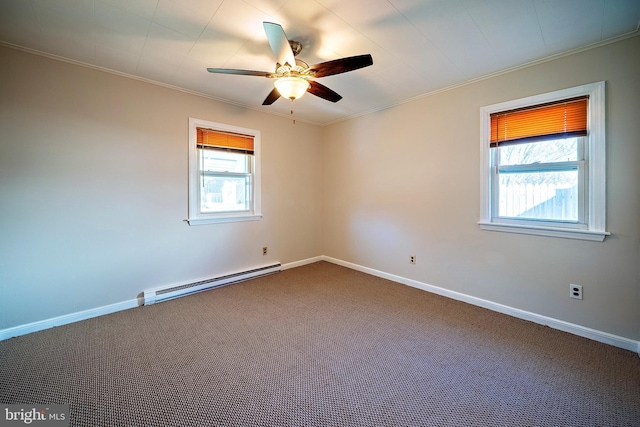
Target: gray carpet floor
pixel 320 345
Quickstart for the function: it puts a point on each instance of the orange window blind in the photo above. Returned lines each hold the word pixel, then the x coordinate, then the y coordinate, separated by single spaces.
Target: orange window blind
pixel 225 141
pixel 555 120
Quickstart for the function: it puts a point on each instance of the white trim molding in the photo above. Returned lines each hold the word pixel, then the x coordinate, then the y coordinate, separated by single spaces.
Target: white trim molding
pixel 41 325
pixel 300 263
pixel 603 337
pixel 561 325
pixel 594 236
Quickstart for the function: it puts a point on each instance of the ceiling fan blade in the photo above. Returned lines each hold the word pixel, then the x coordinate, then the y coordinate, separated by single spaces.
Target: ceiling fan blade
pixel 239 72
pixel 342 65
pixel 279 43
pixel 272 97
pixel 323 92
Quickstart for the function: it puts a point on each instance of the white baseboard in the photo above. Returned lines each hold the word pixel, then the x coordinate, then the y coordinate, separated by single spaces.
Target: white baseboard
pixel 603 337
pixel 66 319
pixel 100 311
pixel 301 262
pixel 582 331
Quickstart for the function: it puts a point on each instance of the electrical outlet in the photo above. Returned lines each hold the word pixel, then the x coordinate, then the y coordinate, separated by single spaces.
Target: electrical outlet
pixel 575 291
pixel 412 259
pixel 264 250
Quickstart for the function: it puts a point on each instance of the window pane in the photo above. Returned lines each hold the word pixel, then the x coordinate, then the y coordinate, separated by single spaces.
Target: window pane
pixel 225 193
pixel 559 150
pixel 539 195
pixel 223 161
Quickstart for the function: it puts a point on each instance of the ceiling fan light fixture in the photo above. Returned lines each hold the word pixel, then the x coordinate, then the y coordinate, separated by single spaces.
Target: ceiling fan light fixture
pixel 291 87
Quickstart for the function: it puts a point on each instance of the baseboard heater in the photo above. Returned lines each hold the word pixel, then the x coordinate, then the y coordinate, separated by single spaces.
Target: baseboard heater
pixel 153 296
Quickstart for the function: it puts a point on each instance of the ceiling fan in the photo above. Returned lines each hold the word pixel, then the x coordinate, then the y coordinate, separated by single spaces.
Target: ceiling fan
pixel 293 76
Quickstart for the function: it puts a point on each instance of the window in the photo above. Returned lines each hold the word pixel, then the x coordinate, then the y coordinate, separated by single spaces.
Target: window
pixel 543 164
pixel 224 173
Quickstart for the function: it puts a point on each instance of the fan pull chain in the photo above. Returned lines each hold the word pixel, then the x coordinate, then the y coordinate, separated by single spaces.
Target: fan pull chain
pixel 292 116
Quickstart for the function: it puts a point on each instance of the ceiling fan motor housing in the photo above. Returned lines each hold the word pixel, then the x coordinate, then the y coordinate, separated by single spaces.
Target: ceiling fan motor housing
pixel 296 47
pixel 287 71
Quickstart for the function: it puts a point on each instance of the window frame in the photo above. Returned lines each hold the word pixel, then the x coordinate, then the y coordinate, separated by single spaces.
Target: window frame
pixel 195 216
pixel 594 172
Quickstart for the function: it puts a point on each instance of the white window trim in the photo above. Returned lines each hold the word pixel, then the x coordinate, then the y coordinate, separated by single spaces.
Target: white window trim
pixel 197 218
pixel 596 159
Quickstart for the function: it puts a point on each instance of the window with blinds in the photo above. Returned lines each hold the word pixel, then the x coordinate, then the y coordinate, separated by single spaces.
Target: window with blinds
pixel 540 161
pixel 224 183
pixel 543 164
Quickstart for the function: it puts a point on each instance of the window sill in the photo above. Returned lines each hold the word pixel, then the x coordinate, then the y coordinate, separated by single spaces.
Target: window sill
pixel 223 219
pixel 565 233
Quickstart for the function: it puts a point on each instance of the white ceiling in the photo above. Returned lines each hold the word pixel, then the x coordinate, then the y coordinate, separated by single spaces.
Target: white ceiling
pixel 418 46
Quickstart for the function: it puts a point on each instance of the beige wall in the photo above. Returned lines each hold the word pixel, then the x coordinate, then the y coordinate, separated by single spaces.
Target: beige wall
pixel 93 190
pixel 405 181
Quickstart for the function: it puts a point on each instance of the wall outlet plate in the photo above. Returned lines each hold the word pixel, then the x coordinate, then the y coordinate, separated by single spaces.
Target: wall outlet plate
pixel 575 291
